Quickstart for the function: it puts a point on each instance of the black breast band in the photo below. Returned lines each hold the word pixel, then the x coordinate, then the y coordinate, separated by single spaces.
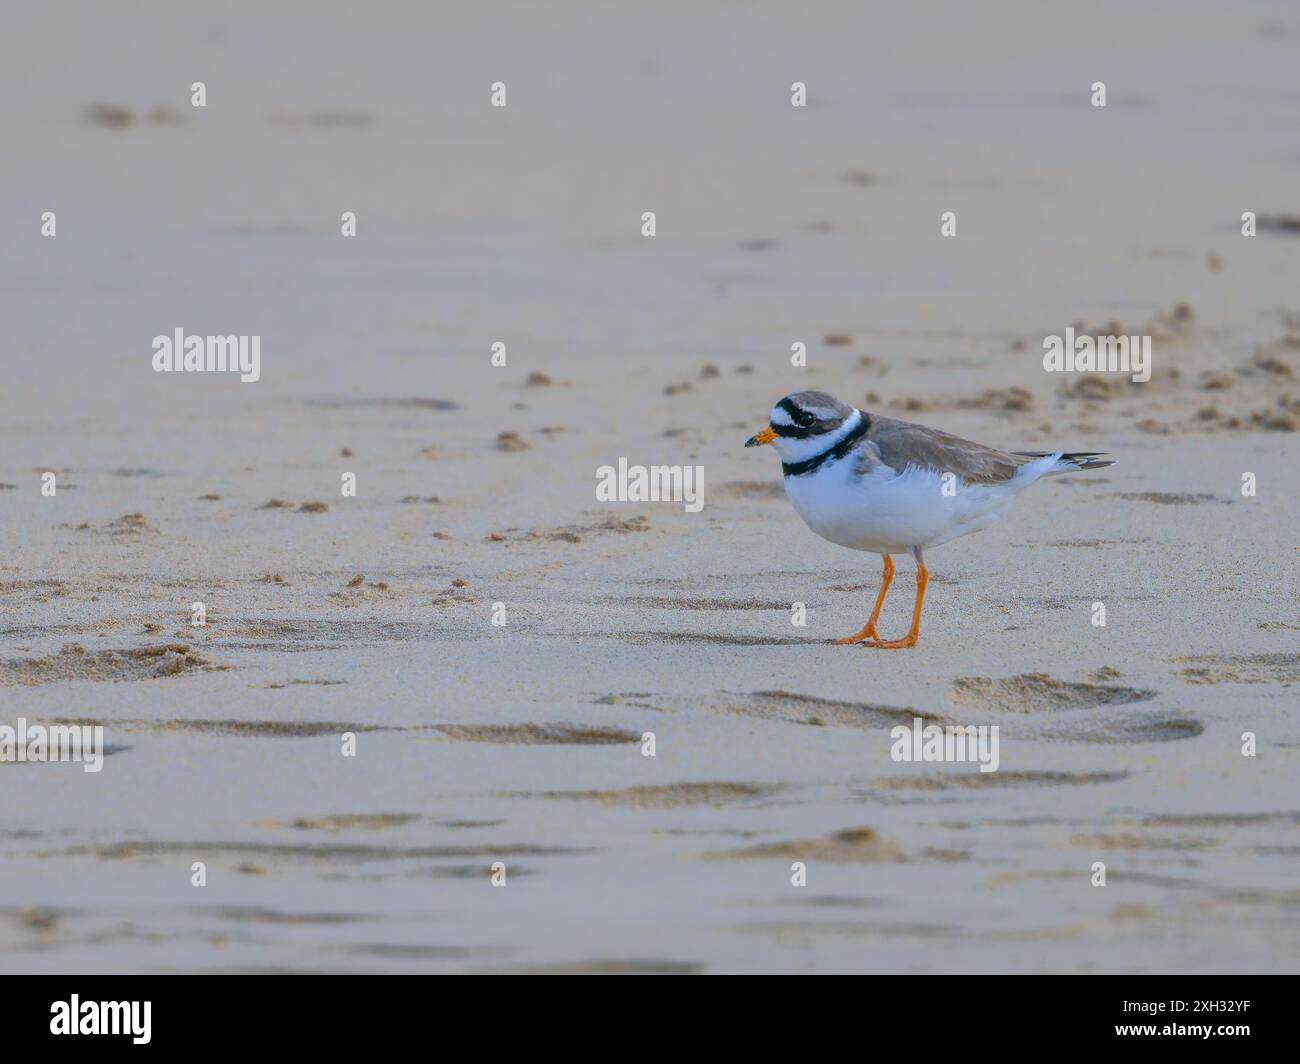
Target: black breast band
pixel 832 454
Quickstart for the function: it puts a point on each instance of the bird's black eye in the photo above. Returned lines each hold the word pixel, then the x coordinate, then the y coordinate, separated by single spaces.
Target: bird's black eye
pixel 803 419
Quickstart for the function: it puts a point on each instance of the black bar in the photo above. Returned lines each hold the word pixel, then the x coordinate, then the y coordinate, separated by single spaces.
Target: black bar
pixel 334 1013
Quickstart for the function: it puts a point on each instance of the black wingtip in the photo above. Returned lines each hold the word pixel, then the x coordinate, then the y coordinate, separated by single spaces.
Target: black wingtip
pixel 1088 459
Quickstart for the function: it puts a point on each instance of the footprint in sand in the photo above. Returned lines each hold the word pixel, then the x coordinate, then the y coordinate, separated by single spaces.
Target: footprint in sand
pixel 1037 692
pixel 796 709
pixel 1246 668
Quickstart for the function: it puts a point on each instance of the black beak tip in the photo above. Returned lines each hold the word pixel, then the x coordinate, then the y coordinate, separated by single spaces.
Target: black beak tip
pixel 752 441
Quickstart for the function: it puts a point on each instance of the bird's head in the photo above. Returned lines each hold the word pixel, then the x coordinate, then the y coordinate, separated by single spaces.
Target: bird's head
pixel 799 422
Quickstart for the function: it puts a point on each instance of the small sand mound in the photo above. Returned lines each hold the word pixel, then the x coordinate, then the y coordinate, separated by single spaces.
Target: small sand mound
pixel 551 734
pixel 1278 223
pixel 1037 692
pixel 126 525
pixel 974 780
pixel 399 403
pixel 112 115
pixel 571 533
pixel 357 591
pixel 669 795
pixel 852 846
pixel 1012 398
pixel 73 662
pixel 261 729
pixel 347 821
pixel 1168 498
pixel 512 441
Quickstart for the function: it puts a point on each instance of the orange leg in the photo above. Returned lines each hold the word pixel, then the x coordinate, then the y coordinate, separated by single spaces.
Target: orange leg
pixel 909 640
pixel 869 632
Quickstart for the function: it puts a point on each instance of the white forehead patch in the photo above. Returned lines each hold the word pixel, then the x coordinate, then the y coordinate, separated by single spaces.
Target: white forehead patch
pixel 780 417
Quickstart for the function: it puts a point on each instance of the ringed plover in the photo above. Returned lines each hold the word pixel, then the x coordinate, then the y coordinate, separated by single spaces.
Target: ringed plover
pixel 874 483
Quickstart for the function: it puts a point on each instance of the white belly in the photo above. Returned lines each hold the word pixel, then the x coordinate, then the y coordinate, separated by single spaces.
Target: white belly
pixel 890 514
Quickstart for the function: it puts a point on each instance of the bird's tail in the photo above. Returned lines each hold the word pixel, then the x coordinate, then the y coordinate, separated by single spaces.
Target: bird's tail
pixel 1073 462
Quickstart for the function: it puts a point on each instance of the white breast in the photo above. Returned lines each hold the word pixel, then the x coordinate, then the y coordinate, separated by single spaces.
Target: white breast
pixel 889 513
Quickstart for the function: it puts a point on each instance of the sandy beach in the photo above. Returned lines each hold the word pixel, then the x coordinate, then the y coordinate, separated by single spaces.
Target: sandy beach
pixel 522 743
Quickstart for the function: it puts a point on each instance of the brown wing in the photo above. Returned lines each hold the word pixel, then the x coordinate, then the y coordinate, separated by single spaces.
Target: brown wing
pixel 901 444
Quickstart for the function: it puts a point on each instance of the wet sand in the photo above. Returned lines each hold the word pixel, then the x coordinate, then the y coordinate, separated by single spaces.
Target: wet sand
pixel 522 744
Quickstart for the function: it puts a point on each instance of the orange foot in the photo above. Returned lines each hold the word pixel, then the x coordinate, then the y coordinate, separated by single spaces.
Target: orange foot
pixel 895 644
pixel 869 632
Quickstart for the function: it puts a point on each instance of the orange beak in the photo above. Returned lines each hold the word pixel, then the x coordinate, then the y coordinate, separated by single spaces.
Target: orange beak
pixel 766 436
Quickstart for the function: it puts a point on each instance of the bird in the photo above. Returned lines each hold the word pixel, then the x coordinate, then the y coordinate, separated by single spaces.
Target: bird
pixel 879 484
